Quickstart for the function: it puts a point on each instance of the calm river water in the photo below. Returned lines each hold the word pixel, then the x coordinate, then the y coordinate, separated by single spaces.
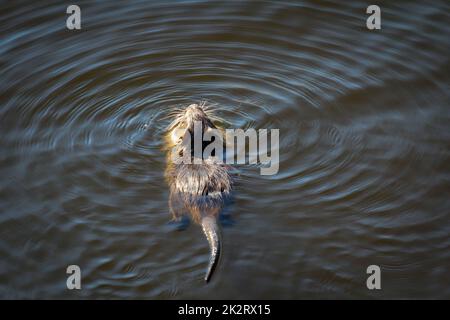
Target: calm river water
pixel 364 125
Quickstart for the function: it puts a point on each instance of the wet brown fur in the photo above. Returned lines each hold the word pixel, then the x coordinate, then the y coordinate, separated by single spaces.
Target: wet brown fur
pixel 197 190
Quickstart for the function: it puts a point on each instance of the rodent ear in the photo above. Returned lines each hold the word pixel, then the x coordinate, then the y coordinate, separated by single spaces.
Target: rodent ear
pixel 178 135
pixel 186 134
pixel 185 139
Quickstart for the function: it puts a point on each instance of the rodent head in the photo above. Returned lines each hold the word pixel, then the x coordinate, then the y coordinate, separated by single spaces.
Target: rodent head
pixel 185 120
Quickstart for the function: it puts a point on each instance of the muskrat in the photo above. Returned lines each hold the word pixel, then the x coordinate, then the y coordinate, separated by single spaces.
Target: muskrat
pixel 197 189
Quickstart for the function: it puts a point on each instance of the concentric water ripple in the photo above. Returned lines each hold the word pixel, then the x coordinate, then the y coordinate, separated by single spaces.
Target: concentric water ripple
pixel 364 131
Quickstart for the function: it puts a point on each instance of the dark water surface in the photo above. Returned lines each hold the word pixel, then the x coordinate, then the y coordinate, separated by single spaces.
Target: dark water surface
pixel 364 125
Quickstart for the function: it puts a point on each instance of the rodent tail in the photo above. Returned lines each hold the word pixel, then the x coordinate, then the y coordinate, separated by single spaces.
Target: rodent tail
pixel 212 233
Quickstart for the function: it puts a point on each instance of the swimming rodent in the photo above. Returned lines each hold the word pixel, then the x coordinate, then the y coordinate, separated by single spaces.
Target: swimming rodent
pixel 199 190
